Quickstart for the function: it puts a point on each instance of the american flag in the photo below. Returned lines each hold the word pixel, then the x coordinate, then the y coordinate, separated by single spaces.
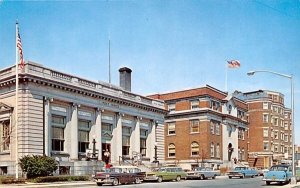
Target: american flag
pixel 233 64
pixel 19 46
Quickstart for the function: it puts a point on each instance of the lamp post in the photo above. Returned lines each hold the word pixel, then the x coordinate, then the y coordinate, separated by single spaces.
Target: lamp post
pixel 94 147
pixel 155 153
pixel 293 180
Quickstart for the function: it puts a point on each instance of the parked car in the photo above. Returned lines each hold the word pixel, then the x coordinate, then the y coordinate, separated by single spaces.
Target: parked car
pixel 278 173
pixel 165 174
pixel 297 173
pixel 202 173
pixel 243 172
pixel 119 175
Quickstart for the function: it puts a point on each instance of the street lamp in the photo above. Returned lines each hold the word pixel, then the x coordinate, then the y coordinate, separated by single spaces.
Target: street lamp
pixel 250 73
pixel 94 147
pixel 155 153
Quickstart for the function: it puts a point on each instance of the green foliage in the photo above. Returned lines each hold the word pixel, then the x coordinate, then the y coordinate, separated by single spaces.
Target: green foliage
pixel 10 180
pixel 37 165
pixel 61 178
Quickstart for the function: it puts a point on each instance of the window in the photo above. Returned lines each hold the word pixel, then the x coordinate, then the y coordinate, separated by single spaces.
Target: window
pixel 265 118
pixel 126 132
pixel 83 141
pixel 195 149
pixel 171 107
pixel 275 135
pixel 241 114
pixel 275 148
pixel 171 128
pixel 217 128
pixel 266 132
pixel 286 126
pixel 106 127
pixel 266 146
pixel 3 170
pixel 143 148
pixel 275 121
pixel 218 151
pixel 212 149
pixel 58 126
pixel 241 133
pixel 83 135
pixel 286 138
pixel 212 127
pixel 243 154
pixel 215 105
pixel 194 104
pixel 4 135
pixel 265 105
pixel 194 126
pixel 239 154
pixel 171 150
pixel 229 109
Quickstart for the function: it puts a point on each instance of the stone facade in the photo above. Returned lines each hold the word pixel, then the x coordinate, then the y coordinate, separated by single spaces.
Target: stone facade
pixel 269 128
pixel 204 126
pixel 61 115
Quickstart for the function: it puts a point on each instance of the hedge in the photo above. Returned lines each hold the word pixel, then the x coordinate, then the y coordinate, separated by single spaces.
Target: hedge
pixel 61 178
pixel 11 180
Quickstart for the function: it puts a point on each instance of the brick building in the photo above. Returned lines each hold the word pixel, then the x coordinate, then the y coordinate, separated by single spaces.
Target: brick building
pixel 270 133
pixel 204 126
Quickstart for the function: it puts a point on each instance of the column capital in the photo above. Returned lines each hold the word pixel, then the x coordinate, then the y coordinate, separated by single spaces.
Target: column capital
pixel 76 105
pixel 49 99
pixel 99 109
pixel 120 114
pixel 138 118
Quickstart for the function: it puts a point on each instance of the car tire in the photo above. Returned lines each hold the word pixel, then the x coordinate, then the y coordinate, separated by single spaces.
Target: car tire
pixel 178 178
pixel 268 183
pixel 137 181
pixel 99 184
pixel 229 177
pixel 115 182
pixel 243 176
pixel 159 179
pixel 201 177
pixel 214 177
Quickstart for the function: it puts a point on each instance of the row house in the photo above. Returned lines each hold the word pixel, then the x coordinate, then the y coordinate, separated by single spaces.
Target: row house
pixel 269 128
pixel 65 117
pixel 204 126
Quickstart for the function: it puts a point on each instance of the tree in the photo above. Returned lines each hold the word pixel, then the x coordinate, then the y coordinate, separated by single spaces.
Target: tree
pixel 37 165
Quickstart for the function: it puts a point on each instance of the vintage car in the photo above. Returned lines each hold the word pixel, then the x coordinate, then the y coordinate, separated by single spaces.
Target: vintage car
pixel 278 173
pixel 243 172
pixel 166 174
pixel 119 175
pixel 202 173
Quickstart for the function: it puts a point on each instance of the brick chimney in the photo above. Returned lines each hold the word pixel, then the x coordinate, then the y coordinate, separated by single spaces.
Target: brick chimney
pixel 125 78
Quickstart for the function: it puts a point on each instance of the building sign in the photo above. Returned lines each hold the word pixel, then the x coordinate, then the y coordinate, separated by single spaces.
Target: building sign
pixel 106 117
pixel 110 104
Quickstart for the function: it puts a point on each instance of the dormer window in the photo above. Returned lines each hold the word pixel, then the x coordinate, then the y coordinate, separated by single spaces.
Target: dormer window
pixel 214 105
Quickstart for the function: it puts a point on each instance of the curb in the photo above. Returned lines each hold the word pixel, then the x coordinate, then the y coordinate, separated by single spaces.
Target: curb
pixel 29 185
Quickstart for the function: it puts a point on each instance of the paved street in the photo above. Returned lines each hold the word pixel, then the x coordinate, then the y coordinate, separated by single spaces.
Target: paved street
pixel 222 181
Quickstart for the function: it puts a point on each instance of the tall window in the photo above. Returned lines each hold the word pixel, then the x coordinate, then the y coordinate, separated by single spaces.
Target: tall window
pixel 4 135
pixel 126 132
pixel 212 127
pixel 194 126
pixel 217 128
pixel 143 141
pixel 106 128
pixel 195 149
pixel 83 135
pixel 218 151
pixel 266 132
pixel 243 154
pixel 214 105
pixel 58 126
pixel 266 146
pixel 171 128
pixel 265 118
pixel 171 150
pixel 265 105
pixel 195 104
pixel 212 149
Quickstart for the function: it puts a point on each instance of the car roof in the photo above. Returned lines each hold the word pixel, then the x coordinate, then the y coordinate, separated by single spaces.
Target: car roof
pixel 283 165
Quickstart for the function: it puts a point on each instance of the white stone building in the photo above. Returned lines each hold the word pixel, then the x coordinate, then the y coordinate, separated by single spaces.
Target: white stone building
pixel 59 115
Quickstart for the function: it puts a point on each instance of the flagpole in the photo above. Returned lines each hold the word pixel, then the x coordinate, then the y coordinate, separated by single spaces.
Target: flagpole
pixel 226 76
pixel 109 77
pixel 17 88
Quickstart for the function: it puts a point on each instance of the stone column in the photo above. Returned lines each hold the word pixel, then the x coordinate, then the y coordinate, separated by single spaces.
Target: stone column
pixel 116 142
pixel 151 140
pixel 135 142
pixel 74 132
pixel 47 128
pixel 97 133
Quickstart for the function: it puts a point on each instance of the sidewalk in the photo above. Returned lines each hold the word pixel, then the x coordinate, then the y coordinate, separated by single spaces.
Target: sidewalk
pixel 52 184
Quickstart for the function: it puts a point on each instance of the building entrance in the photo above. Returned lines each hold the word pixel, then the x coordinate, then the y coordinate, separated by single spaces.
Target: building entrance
pixel 106 152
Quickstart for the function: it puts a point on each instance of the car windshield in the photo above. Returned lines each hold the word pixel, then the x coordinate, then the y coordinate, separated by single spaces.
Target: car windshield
pixel 162 170
pixel 118 170
pixel 278 168
pixel 240 168
pixel 200 169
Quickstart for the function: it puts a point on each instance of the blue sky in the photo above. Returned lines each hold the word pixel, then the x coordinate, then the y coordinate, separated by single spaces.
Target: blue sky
pixel 169 45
